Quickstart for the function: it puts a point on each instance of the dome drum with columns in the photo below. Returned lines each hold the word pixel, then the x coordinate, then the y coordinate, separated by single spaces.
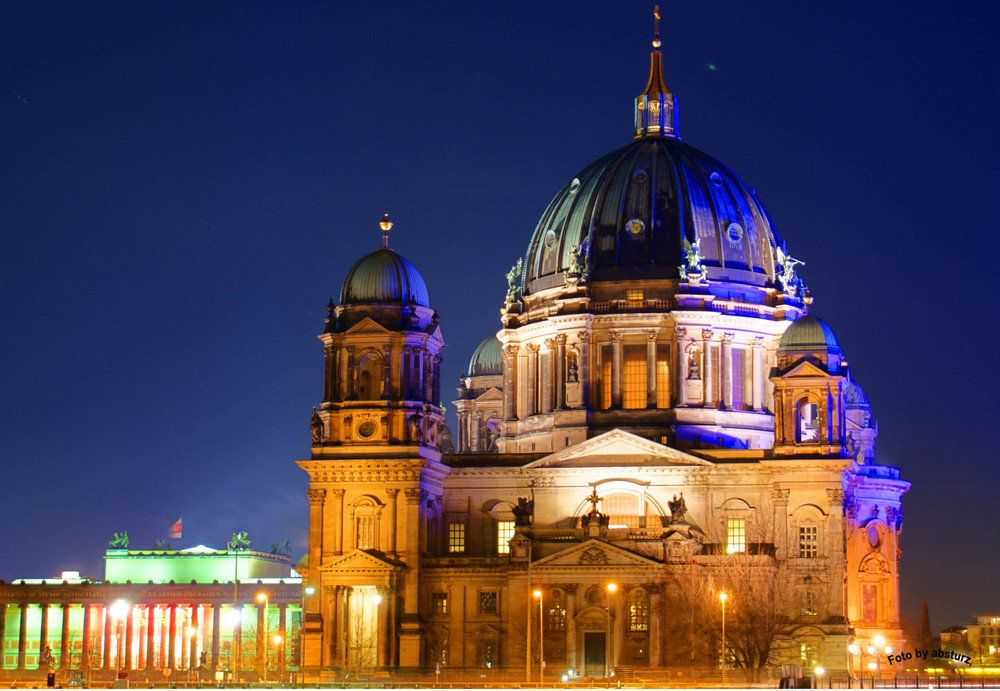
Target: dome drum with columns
pixel 658 408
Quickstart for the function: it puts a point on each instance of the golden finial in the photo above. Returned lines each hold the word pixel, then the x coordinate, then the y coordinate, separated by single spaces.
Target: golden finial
pixel 386 225
pixel 656 26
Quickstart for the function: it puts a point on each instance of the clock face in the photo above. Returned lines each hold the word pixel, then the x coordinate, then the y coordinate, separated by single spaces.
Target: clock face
pixel 635 227
pixel 873 536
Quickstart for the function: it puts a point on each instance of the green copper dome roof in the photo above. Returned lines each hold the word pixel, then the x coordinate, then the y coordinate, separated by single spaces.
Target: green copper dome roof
pixel 854 397
pixel 808 333
pixel 488 358
pixel 384 276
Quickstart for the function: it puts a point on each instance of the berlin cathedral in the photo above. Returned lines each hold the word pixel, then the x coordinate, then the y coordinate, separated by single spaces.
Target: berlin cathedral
pixel 658 429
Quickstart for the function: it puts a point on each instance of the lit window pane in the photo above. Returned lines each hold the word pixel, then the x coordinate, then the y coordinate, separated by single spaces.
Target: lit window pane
pixel 736 536
pixel 505 531
pixel 456 537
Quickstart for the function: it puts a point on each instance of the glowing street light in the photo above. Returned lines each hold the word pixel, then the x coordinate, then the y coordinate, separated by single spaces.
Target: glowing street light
pixel 722 598
pixel 541 639
pixel 609 646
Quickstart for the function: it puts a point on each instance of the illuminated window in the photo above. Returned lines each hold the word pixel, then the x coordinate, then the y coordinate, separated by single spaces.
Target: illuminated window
pixel 739 358
pixel 505 531
pixel 635 377
pixel 736 535
pixel 807 423
pixel 488 602
pixel 456 537
pixel 662 380
pixel 808 541
pixel 605 378
pixel 808 654
pixel 635 298
pixel 366 532
pixel 809 607
pixel 638 615
pixel 440 603
pixel 555 618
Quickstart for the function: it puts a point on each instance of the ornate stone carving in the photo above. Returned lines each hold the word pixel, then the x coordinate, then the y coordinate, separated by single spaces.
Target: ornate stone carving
pixel 706 333
pixel 894 516
pixel 680 333
pixel 780 496
pixel 316 428
pixel 615 336
pixel 593 555
pixel 413 495
pixel 650 334
pixel 835 496
pixel 316 495
pixel 727 337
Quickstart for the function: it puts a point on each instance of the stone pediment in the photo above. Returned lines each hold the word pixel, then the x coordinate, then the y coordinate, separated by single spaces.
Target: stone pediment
pixel 617 448
pixel 492 394
pixel 358 561
pixel 367 326
pixel 595 553
pixel 806 369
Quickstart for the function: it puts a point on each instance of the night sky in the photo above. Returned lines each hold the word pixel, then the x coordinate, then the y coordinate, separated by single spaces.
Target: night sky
pixel 185 185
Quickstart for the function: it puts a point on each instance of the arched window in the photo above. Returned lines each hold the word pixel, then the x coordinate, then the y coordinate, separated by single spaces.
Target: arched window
pixel 630 510
pixel 807 423
pixel 366 524
pixel 370 377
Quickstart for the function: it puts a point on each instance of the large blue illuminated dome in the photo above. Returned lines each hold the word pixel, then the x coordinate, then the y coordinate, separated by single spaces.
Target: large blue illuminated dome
pixel 629 214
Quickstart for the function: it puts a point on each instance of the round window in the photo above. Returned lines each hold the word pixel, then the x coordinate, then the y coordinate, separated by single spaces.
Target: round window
pixel 873 536
pixel 635 227
pixel 367 429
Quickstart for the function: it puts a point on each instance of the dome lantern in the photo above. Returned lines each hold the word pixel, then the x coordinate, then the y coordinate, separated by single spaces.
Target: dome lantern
pixel 656 107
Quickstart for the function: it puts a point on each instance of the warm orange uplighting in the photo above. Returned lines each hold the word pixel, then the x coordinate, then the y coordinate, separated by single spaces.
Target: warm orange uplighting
pixel 537 593
pixel 612 587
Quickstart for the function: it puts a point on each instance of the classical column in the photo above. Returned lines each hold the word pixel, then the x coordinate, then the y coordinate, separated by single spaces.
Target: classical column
pixel 282 631
pixel 708 395
pixel 510 381
pixel 584 368
pixel 338 521
pixel 341 374
pixel 316 534
pixel 193 647
pixel 43 638
pixel 681 368
pixel 832 544
pixel 616 369
pixel 650 368
pixel 392 493
pixel 571 660
pixel 150 661
pixel 106 636
pixel 727 371
pixel 328 373
pixel 780 499
pixel 22 635
pixel 412 549
pixel 216 620
pixel 261 645
pixel 129 620
pixel 334 652
pixel 547 377
pixel 3 631
pixel 63 639
pixel 756 372
pixel 655 624
pixel 560 371
pixel 382 625
pixel 531 386
pixel 172 649
pixel 387 372
pixel 85 654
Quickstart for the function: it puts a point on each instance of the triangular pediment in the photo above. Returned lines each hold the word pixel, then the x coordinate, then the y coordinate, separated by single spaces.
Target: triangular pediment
pixel 806 369
pixel 492 394
pixel 616 448
pixel 367 326
pixel 594 553
pixel 358 561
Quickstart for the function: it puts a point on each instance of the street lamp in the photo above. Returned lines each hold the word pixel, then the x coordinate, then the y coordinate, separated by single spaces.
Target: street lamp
pixel 119 610
pixel 609 645
pixel 263 597
pixel 722 598
pixel 541 639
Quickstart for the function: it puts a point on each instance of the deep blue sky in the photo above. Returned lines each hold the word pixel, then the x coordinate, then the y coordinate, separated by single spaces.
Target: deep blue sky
pixel 184 186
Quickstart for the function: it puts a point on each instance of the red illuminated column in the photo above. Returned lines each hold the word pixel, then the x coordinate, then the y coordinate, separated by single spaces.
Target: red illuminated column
pixel 85 655
pixel 172 642
pixel 106 629
pixel 193 635
pixel 150 661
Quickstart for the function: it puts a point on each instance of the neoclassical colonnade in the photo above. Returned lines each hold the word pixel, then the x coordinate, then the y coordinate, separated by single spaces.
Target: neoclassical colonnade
pixel 126 627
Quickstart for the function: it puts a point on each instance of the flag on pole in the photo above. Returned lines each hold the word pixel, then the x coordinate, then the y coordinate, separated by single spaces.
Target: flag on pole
pixel 175 530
